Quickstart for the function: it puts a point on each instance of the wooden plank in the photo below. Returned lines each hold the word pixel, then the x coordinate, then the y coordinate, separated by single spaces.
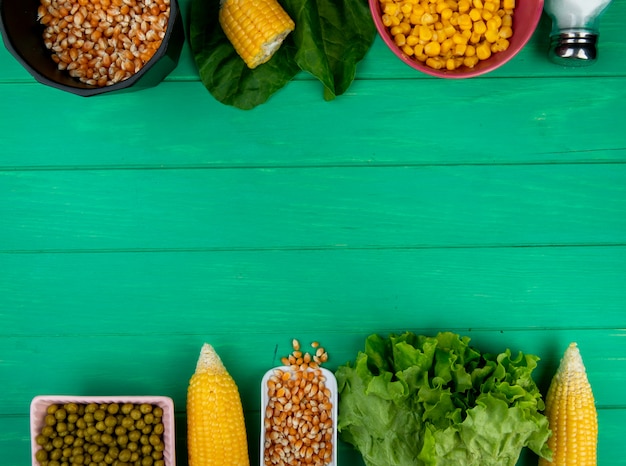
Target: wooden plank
pixel 171 292
pixel 83 364
pixel 131 360
pixel 410 207
pixel 380 62
pixel 515 121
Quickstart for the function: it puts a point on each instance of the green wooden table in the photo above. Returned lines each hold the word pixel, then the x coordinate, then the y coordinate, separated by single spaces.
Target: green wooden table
pixel 133 228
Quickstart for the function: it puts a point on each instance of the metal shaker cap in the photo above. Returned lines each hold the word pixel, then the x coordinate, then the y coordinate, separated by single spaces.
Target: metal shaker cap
pixel 574 48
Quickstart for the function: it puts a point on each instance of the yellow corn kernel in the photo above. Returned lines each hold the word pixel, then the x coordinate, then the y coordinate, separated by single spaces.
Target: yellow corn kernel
pixel 475 38
pixel 494 23
pixel 500 45
pixel 425 34
pixel 491 35
pixel 432 49
pixel 465 22
pixel 478 4
pixel 486 14
pixel 435 63
pixel 470 62
pixel 450 64
pixel 428 18
pixel 215 423
pixel 387 20
pixel 446 46
pixel 508 4
pixel 406 9
pixel 412 40
pixel 507 20
pixel 470 51
pixel 483 51
pixel 505 32
pixel 256 29
pixel 459 49
pixel 571 412
pixel 400 40
pixel 464 6
pixel 391 9
pixel 475 14
pixel 408 50
pixel 480 27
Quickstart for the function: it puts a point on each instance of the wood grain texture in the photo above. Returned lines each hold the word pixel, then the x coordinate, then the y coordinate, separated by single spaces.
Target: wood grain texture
pixel 410 207
pixel 388 122
pixel 133 228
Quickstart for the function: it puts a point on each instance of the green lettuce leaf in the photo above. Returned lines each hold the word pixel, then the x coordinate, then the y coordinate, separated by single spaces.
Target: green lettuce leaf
pixel 436 401
pixel 330 38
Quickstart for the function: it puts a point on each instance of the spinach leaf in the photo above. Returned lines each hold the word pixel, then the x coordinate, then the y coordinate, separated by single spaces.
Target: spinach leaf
pixel 223 72
pixel 330 38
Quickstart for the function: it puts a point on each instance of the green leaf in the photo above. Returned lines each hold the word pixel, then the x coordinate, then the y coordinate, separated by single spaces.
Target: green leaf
pixel 330 38
pixel 223 72
pixel 413 400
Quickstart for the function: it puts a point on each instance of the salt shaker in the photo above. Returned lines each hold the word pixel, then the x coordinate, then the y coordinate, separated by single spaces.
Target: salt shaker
pixel 575 30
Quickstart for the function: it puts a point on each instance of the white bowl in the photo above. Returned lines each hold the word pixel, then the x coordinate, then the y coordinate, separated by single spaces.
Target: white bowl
pixel 331 384
pixel 39 405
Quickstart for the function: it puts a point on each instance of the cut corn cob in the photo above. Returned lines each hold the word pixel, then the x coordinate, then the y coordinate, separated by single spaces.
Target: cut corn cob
pixel 256 28
pixel 572 414
pixel 215 423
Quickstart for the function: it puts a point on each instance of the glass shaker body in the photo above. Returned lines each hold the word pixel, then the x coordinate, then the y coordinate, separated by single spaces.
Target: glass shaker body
pixel 575 30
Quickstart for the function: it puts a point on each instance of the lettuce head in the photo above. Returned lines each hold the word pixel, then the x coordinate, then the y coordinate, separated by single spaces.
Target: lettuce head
pixel 412 400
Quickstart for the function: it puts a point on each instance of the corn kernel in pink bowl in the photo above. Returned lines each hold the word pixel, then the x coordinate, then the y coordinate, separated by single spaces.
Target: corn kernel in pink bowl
pixel 525 19
pixel 39 406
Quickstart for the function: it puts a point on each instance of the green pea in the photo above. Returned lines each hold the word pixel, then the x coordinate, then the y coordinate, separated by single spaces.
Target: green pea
pixel 72 418
pixel 158 411
pixel 47 431
pixel 88 418
pixel 144 440
pixel 140 424
pixel 58 442
pixel 124 455
pixel 101 426
pixel 92 448
pixel 134 436
pixel 155 440
pixel 97 456
pixel 56 454
pixel 99 414
pixel 145 408
pixel 132 446
pixel 158 429
pixel 122 439
pixel 67 452
pixel 50 420
pixel 147 461
pixel 41 455
pixel 54 463
pixel 120 430
pixel 159 463
pixel 68 439
pixel 110 421
pixel 146 430
pixel 146 449
pixel 106 439
pixel 52 408
pixel 135 414
pixel 48 447
pixel 113 408
pixel 78 459
pixel 41 440
pixel 127 408
pixel 60 414
pixel 149 418
pixel 157 455
pixel 71 408
pixel 127 423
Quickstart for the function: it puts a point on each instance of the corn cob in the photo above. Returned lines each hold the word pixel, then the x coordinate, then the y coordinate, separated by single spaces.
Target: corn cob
pixel 215 422
pixel 256 28
pixel 572 414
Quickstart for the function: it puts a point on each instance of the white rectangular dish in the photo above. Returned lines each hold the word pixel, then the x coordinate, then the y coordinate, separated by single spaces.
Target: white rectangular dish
pixel 297 431
pixel 39 406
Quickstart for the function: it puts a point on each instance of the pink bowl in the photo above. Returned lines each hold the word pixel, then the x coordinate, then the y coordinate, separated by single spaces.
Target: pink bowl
pixel 39 405
pixel 525 19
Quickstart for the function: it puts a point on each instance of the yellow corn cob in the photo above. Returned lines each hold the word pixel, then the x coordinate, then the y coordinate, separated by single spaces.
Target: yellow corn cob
pixel 572 414
pixel 256 28
pixel 216 433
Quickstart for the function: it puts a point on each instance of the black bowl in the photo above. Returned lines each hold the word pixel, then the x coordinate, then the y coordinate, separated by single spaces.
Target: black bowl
pixel 23 37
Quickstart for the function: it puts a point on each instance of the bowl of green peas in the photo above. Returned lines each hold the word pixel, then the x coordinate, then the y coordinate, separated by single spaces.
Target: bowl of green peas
pixel 102 430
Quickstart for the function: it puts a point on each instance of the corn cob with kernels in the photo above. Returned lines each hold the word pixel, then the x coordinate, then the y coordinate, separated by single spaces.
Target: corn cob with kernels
pixel 256 28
